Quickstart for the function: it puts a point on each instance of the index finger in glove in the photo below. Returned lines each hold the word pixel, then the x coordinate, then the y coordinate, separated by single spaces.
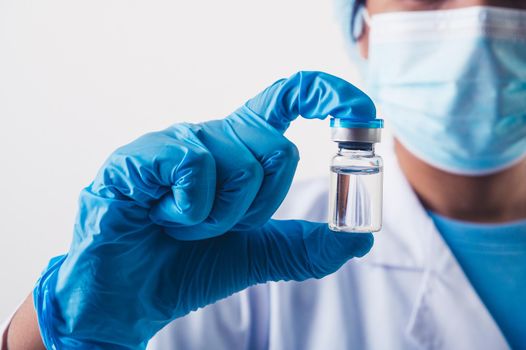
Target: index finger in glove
pixel 313 95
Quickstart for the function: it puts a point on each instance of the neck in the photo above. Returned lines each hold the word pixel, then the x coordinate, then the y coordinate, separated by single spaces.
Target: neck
pixel 495 198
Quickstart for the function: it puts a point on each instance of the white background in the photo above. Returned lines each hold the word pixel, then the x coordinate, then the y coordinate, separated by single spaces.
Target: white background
pixel 80 78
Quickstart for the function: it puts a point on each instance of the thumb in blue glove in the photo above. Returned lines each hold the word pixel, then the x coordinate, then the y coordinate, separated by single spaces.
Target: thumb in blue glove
pixel 180 218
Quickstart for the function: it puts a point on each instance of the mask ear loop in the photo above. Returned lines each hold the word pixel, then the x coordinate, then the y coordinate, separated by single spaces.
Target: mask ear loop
pixel 361 19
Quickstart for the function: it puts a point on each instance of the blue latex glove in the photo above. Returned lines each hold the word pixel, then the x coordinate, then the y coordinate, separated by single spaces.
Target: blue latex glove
pixel 179 219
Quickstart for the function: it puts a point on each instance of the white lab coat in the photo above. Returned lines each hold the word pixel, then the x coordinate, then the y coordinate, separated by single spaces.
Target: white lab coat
pixel 407 293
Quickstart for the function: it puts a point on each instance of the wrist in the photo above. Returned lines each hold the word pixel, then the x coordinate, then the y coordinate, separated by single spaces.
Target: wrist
pixel 22 332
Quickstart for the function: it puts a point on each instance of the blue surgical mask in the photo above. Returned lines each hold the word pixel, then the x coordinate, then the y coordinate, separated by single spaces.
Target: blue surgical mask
pixel 452 85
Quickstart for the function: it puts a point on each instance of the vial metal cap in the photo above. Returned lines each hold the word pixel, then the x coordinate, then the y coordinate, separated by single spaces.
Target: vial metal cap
pixel 345 130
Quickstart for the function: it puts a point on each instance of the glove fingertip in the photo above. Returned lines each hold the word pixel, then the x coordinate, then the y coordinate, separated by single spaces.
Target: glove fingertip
pixel 357 244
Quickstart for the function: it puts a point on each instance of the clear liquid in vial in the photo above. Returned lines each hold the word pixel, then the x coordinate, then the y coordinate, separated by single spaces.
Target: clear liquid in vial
pixel 355 199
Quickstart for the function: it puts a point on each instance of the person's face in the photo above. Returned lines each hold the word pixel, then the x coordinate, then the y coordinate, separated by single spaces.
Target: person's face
pixel 382 6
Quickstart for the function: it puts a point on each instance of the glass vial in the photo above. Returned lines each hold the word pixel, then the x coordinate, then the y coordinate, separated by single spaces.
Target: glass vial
pixel 356 188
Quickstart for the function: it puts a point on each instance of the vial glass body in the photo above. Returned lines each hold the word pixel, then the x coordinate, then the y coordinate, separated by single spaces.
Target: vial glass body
pixel 356 190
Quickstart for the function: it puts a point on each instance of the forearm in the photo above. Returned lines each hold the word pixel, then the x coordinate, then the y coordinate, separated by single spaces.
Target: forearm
pixel 23 332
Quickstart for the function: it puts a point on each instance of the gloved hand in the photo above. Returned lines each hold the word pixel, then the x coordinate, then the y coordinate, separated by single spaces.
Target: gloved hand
pixel 179 219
